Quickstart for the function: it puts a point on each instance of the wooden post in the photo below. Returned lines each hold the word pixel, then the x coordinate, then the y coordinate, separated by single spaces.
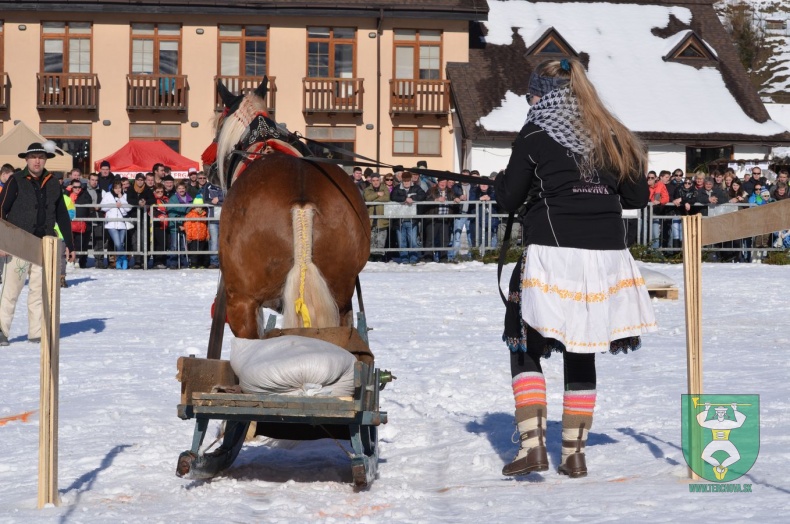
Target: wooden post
pixel 692 279
pixel 50 361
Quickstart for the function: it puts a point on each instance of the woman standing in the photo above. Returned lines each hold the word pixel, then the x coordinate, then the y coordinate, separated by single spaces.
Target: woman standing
pixel 115 206
pixel 576 289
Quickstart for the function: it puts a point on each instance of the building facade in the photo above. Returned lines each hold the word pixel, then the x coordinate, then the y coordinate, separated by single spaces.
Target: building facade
pixel 368 77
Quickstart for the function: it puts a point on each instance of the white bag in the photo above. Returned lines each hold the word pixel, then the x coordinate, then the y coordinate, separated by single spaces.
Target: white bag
pixel 654 279
pixel 292 365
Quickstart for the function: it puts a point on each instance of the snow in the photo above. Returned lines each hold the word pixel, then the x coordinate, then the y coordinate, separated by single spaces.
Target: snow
pixel 437 328
pixel 632 84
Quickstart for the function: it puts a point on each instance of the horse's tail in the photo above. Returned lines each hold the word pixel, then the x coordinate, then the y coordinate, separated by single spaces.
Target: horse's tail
pixel 307 300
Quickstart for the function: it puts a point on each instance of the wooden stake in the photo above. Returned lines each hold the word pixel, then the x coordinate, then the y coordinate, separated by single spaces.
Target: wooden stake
pixel 692 278
pixel 50 361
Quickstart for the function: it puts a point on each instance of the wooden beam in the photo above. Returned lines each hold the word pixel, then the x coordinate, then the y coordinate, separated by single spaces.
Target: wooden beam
pixel 20 243
pixel 692 278
pixel 758 220
pixel 50 362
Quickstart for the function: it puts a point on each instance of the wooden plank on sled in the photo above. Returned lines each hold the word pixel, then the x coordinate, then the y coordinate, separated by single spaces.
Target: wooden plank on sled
pixel 200 375
pixel 666 293
pixel 759 220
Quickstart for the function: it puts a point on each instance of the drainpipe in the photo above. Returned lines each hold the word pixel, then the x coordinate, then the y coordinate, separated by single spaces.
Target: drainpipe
pixel 378 88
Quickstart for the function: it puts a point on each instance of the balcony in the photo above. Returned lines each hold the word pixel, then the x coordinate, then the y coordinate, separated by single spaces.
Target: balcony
pixel 333 95
pixel 67 91
pixel 419 97
pixel 4 88
pixel 243 85
pixel 156 92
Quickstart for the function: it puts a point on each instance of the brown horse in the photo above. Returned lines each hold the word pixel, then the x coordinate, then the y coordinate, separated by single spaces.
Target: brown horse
pixel 293 232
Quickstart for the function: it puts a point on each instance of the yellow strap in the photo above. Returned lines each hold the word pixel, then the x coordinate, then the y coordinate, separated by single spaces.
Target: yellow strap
pixel 300 306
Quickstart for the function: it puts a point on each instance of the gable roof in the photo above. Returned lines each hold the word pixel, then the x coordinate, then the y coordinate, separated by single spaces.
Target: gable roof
pixel 18 138
pixel 447 9
pixel 623 44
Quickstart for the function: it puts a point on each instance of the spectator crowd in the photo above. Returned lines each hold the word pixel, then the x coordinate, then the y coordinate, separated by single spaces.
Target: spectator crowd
pixel 673 195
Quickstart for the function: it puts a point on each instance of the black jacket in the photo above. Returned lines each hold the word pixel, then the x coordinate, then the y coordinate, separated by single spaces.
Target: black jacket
pixel 564 207
pixel 36 205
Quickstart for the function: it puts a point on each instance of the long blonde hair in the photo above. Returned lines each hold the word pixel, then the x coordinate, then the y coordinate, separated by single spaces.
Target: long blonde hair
pixel 613 145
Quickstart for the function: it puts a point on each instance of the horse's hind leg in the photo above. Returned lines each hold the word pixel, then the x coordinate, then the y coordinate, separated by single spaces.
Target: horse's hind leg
pixel 243 316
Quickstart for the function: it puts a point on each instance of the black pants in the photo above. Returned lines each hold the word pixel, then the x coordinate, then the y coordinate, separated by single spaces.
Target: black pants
pixel 579 368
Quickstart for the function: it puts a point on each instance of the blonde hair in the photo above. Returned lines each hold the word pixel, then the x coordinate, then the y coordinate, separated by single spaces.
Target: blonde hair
pixel 613 145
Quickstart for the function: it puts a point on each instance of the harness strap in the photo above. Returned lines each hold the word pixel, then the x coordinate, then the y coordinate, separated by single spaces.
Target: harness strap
pixel 503 254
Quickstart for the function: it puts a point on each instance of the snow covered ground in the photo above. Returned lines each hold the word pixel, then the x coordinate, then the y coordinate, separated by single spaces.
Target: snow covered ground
pixel 437 327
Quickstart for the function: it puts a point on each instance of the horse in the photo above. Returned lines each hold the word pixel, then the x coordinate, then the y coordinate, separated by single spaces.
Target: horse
pixel 294 232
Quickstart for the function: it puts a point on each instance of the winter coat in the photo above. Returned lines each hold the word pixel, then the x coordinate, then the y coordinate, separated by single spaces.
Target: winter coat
pixel 563 208
pixel 372 195
pixel 686 196
pixel 160 212
pixel 196 229
pixel 178 211
pixel 108 205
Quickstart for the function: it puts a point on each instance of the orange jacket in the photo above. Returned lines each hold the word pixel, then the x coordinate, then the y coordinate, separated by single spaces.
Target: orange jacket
pixel 194 229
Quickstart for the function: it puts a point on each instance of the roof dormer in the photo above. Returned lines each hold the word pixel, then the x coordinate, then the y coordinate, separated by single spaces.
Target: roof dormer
pixel 690 49
pixel 551 44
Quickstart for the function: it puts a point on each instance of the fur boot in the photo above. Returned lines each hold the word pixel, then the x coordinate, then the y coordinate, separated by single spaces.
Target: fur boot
pixel 529 390
pixel 577 419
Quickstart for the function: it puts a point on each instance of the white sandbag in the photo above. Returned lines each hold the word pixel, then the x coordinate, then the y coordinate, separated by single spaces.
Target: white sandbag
pixel 654 279
pixel 291 365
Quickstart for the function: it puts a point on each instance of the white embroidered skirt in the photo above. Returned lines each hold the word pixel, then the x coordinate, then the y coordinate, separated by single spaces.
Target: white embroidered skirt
pixel 584 298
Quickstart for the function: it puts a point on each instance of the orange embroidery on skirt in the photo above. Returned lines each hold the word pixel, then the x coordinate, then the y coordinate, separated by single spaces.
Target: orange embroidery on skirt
pixel 578 296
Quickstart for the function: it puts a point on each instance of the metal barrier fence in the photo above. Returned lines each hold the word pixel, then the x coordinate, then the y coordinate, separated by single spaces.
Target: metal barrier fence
pixel 664 233
pixel 414 232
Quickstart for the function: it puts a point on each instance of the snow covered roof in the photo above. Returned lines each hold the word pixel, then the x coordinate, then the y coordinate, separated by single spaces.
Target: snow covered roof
pixel 624 45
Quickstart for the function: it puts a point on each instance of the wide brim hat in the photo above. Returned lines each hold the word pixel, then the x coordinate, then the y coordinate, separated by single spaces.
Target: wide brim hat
pixel 36 147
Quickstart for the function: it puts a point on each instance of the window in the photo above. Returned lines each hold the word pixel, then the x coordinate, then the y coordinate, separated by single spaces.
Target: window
pixel 698 158
pixel 170 134
pixel 418 54
pixel 690 49
pixel 155 49
pixel 242 50
pixel 341 137
pixel 66 47
pixel 330 52
pixel 416 141
pixel 550 45
pixel 73 138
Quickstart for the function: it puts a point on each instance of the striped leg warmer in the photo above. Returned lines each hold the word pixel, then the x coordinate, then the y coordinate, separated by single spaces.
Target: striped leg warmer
pixel 529 390
pixel 577 416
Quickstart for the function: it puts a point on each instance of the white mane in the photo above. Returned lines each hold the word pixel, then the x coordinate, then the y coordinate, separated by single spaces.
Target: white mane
pixel 234 128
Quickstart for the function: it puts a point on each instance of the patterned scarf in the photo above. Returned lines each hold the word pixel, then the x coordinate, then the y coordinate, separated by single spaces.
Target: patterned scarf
pixel 557 113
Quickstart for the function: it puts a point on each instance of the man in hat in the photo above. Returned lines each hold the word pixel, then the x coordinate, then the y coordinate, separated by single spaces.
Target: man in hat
pixel 407 227
pixel 139 196
pixel 33 201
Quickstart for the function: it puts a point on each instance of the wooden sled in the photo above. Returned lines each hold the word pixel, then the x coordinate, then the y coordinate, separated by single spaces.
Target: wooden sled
pixel 209 391
pixel 667 293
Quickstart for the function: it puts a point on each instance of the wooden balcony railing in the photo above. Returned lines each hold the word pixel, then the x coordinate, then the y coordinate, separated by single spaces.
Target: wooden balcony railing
pixel 157 92
pixel 244 84
pixel 333 95
pixel 4 88
pixel 67 91
pixel 419 97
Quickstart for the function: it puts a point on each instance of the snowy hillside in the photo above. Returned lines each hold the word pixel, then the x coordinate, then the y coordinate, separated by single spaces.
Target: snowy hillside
pixel 437 327
pixel 777 69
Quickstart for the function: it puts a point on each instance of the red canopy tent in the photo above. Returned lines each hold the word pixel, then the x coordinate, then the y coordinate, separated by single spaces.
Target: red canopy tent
pixel 139 156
